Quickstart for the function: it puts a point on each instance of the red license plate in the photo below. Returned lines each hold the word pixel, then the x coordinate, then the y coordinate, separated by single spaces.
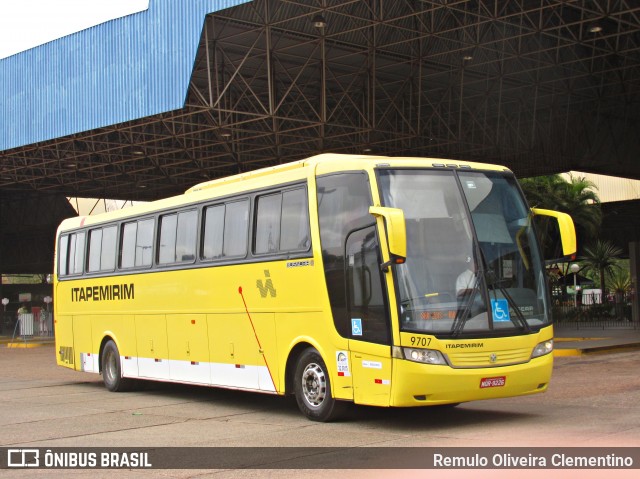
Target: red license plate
pixel 493 382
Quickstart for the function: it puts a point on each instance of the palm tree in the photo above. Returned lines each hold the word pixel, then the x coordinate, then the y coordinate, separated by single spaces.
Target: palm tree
pixel 620 282
pixel 620 285
pixel 601 256
pixel 576 197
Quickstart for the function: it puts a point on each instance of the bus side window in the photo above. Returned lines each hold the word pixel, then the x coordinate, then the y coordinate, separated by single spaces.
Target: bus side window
pixel 177 238
pixel 95 250
pixel 268 214
pixel 128 244
pixel 213 232
pixel 144 242
pixel 225 230
pixel 102 249
pixel 167 239
pixel 186 236
pixel 108 252
pixel 282 222
pixel 294 227
pixel 136 243
pixel 63 251
pixel 236 228
pixel 76 253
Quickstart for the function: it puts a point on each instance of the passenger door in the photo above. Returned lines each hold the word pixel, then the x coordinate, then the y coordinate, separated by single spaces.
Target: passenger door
pixel 369 314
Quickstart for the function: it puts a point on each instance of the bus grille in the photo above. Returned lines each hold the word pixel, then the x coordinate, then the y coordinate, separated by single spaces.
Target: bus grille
pixel 487 359
pixel 66 354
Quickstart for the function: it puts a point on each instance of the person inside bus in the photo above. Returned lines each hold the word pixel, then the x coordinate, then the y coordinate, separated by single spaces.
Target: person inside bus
pixel 465 282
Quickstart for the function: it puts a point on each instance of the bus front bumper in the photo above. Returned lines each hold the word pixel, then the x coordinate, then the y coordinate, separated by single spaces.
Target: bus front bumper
pixel 417 384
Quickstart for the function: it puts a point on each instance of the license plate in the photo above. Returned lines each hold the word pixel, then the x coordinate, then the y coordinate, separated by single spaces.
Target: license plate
pixel 496 382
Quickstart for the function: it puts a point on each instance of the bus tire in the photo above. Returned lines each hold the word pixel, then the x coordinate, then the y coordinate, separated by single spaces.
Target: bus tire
pixel 112 371
pixel 312 388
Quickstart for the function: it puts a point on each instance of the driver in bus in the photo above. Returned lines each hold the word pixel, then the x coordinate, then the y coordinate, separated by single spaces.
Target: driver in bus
pixel 465 282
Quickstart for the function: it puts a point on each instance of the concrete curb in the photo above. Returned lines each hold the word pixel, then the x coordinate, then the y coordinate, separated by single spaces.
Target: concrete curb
pixel 27 345
pixel 594 349
pixel 19 343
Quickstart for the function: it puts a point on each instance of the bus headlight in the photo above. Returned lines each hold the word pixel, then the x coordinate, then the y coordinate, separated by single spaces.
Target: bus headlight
pixel 543 348
pixel 427 356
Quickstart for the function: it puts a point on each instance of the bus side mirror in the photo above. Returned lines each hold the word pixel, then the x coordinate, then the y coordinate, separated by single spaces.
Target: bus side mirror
pixel 396 234
pixel 559 234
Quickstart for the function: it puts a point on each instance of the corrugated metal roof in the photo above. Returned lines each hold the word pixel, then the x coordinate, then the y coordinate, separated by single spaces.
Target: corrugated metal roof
pixel 121 70
pixel 611 188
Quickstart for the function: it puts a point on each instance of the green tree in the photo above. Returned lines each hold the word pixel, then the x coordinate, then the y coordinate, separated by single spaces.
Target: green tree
pixel 577 197
pixel 620 281
pixel 601 256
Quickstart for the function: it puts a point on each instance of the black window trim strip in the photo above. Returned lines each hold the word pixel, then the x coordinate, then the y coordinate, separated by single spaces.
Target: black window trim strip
pixel 199 206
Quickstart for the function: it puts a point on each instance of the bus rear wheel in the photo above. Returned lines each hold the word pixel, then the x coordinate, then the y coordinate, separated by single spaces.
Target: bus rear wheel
pixel 312 388
pixel 112 371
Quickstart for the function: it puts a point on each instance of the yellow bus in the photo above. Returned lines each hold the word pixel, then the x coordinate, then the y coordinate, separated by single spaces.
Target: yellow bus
pixel 340 278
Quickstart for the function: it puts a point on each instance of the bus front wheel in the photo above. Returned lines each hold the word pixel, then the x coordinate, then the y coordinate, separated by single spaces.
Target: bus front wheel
pixel 312 388
pixel 112 371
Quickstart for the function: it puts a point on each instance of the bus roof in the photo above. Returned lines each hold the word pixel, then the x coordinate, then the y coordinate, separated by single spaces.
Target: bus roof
pixel 323 163
pixel 332 157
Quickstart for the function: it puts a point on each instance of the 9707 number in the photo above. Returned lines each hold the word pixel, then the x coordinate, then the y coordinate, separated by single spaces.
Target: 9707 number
pixel 420 341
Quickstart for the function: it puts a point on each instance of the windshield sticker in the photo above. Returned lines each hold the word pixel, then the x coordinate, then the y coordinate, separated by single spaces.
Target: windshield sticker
pixel 471 184
pixel 507 268
pixel 343 363
pixel 500 310
pixel 356 326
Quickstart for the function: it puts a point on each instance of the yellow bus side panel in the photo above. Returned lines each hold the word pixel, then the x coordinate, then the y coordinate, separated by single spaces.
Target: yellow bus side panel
pixel 188 348
pixel 372 369
pixel 236 360
pixel 192 326
pixel 311 328
pixel 153 351
pixel 84 358
pixel 65 355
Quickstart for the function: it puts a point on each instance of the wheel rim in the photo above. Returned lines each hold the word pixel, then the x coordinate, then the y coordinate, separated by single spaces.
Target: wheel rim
pixel 110 366
pixel 314 385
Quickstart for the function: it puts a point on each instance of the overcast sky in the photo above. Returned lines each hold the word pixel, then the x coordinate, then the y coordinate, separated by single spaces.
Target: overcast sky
pixel 26 24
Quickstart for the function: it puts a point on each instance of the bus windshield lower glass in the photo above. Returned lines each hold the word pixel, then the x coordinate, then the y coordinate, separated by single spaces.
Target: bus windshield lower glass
pixel 473 265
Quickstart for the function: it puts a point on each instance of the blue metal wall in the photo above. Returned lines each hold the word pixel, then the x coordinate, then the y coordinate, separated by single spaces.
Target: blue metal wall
pixel 124 69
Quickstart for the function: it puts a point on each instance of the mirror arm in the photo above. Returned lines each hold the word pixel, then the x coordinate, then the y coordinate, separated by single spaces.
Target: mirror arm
pixel 394 259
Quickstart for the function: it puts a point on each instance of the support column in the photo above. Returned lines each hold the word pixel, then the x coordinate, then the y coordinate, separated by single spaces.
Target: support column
pixel 634 264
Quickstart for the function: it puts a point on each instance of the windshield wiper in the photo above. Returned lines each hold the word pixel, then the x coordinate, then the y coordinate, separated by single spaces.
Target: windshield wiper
pixel 461 319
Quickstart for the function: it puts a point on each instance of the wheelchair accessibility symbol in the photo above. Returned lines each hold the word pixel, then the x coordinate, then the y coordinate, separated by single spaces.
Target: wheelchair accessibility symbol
pixel 500 310
pixel 356 326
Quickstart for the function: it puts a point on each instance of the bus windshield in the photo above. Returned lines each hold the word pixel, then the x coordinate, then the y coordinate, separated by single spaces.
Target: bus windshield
pixel 473 266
